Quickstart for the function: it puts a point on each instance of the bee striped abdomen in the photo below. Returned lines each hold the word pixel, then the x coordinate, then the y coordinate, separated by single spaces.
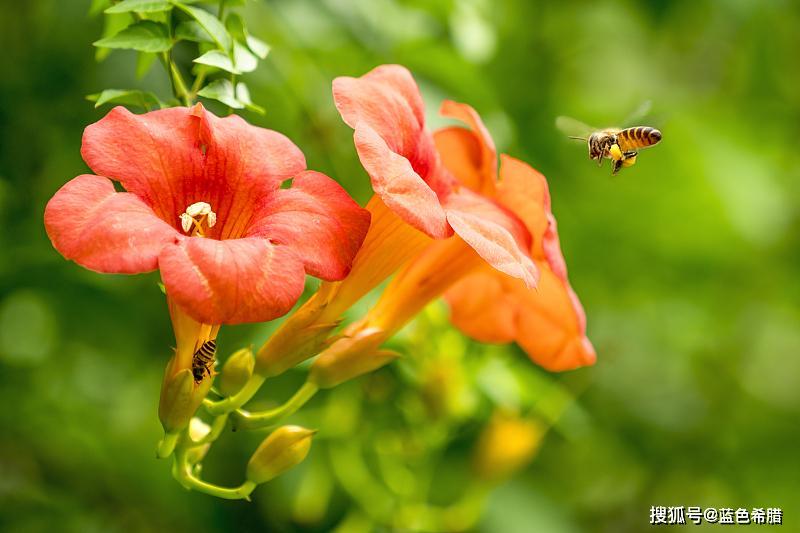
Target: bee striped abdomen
pixel 203 359
pixel 638 137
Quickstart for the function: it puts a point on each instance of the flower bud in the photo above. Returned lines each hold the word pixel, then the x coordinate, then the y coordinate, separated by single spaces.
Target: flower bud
pixel 506 445
pixel 236 371
pixel 180 398
pixel 284 448
pixel 350 357
pixel 301 336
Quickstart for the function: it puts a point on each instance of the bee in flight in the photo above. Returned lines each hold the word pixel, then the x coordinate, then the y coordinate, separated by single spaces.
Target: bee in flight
pixel 619 145
pixel 203 360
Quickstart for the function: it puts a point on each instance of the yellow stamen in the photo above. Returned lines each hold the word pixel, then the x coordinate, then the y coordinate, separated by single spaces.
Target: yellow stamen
pixel 200 216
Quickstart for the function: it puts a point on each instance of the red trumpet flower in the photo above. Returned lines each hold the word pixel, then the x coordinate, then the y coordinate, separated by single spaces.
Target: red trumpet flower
pixel 189 174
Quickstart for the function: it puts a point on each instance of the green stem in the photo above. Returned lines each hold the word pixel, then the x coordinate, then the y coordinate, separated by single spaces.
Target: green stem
pixel 167 445
pixel 245 420
pixel 234 402
pixel 216 429
pixel 176 79
pixel 198 84
pixel 182 471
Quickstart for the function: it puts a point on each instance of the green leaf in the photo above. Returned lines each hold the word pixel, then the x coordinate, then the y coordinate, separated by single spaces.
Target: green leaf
pixel 243 95
pixel 190 30
pixel 222 91
pixel 218 59
pixel 143 99
pixel 210 24
pixel 244 60
pixel 140 6
pixel 257 46
pixel 98 6
pixel 235 25
pixel 112 24
pixel 143 63
pixel 144 36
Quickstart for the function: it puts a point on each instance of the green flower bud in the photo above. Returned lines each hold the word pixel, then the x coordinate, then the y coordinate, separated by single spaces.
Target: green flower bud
pixel 180 398
pixel 284 448
pixel 236 371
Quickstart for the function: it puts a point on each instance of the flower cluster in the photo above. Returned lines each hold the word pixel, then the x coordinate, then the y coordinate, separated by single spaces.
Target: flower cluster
pixel 233 221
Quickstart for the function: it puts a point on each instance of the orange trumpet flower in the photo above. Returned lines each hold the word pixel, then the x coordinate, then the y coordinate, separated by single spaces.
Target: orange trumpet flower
pixel 487 304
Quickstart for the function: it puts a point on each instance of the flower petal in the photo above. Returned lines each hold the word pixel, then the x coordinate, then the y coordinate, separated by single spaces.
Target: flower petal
pixel 385 109
pixel 401 189
pixel 481 176
pixel 104 230
pixel 175 157
pixel 318 220
pixel 461 155
pixel 551 324
pixel 548 323
pixel 494 232
pixel 482 309
pixel 387 100
pixel 231 281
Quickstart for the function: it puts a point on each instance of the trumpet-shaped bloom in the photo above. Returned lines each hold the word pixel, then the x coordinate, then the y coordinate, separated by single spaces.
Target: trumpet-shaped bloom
pixel 487 303
pixel 385 109
pixel 203 203
pixel 548 323
pixel 417 200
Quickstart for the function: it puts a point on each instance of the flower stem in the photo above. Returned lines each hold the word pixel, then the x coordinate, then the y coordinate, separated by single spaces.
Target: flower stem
pixel 245 420
pixel 216 429
pixel 167 445
pixel 197 84
pixel 182 471
pixel 234 402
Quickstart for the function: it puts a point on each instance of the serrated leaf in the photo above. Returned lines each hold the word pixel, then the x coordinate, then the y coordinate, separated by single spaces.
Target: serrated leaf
pixel 222 91
pixel 190 30
pixel 243 95
pixel 144 61
pixel 144 36
pixel 218 59
pixel 210 24
pixel 143 99
pixel 140 6
pixel 243 59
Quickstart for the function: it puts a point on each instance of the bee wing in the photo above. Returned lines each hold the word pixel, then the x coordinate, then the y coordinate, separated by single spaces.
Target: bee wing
pixel 573 128
pixel 639 113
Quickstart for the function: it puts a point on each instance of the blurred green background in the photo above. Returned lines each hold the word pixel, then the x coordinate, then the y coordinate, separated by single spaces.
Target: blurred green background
pixel 687 265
